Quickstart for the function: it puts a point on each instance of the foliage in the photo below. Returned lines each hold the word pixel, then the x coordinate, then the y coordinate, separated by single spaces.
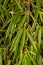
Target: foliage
pixel 21 32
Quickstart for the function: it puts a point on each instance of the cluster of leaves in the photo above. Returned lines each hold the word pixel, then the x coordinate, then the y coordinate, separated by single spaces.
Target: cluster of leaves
pixel 21 32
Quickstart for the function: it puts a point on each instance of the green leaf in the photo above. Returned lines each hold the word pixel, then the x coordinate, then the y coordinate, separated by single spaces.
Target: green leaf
pixel 26 60
pixel 0 57
pixel 9 62
pixel 0 60
pixel 22 46
pixel 11 24
pixel 39 38
pixel 5 3
pixel 16 40
pixel 30 37
pixel 18 5
pixel 22 42
pixel 33 61
pixel 22 22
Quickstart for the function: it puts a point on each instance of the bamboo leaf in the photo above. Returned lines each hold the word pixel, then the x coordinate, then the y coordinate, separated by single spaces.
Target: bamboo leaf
pixel 22 22
pixel 26 60
pixel 5 3
pixel 21 46
pixel 31 58
pixel 10 26
pixel 9 62
pixel 16 40
pixel 22 42
pixel 30 37
pixel 18 5
pixel 0 57
pixel 39 38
